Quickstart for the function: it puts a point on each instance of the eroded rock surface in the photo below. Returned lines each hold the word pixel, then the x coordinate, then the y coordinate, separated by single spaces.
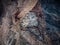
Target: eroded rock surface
pixel 29 20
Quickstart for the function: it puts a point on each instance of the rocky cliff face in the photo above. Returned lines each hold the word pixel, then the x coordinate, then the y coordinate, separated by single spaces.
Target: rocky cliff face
pixel 40 26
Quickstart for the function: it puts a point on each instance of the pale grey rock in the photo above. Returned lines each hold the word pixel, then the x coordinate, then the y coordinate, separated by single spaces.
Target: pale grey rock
pixel 29 20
